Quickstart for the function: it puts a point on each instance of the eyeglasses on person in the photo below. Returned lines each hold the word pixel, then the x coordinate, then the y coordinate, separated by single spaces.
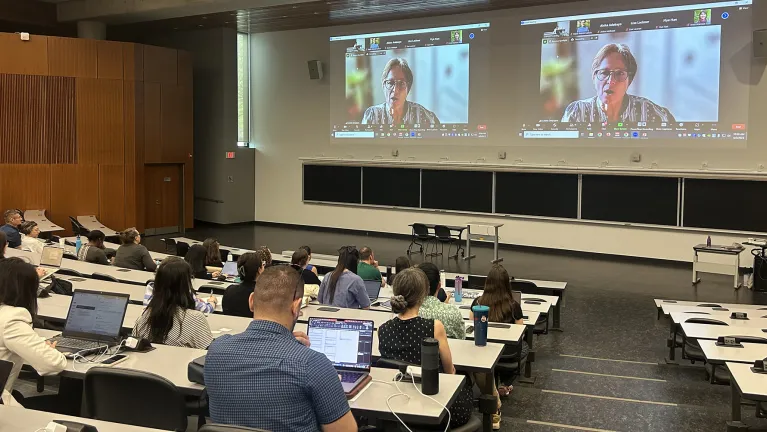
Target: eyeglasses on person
pixel 390 83
pixel 618 75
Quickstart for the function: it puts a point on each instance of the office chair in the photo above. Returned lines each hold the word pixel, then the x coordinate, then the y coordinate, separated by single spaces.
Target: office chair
pixel 135 398
pixel 182 248
pixel 709 305
pixel 224 254
pixel 442 235
pixel 228 428
pixel 421 235
pixel 691 349
pixel 77 228
pixel 476 282
pixel 170 245
pixel 104 277
pixel 542 324
pixel 5 372
pixel 70 272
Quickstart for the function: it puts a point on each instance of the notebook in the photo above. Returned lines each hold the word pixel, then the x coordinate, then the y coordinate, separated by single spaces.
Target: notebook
pixel 94 321
pixel 348 344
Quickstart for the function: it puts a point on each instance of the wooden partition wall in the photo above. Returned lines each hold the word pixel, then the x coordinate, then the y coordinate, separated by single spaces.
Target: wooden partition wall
pixel 80 119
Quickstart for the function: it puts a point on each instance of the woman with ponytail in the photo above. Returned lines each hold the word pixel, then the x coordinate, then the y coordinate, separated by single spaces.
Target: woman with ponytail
pixel 343 288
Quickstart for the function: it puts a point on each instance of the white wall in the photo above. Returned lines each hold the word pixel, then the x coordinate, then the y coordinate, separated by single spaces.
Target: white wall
pixel 290 116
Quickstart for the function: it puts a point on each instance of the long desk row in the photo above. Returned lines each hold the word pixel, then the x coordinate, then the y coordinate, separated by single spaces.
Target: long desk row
pixel 20 419
pixel 155 255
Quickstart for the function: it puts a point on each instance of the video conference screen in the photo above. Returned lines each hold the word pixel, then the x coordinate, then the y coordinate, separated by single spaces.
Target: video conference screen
pixel 658 73
pixel 414 84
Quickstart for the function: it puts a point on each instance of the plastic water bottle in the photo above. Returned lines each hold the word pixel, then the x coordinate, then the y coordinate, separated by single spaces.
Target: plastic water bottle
pixel 229 258
pixel 708 241
pixel 458 289
pixel 78 244
pixel 442 279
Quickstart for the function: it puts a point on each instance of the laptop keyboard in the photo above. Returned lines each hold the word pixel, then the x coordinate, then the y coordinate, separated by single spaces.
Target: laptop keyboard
pixel 78 344
pixel 349 377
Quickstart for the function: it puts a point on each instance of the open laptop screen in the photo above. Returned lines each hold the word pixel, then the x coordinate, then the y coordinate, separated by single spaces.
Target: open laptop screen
pixel 96 315
pixel 347 343
pixel 230 268
pixel 373 288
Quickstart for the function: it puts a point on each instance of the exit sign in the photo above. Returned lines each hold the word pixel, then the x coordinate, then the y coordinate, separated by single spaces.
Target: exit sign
pixel 230 155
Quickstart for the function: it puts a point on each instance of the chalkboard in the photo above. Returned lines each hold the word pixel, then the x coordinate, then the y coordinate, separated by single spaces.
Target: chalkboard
pixel 338 184
pixel 645 200
pixel 536 194
pixel 470 191
pixel 391 186
pixel 737 205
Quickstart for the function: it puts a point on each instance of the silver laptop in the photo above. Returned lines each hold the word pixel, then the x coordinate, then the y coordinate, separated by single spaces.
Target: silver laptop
pixel 50 260
pixel 348 344
pixel 373 288
pixel 94 321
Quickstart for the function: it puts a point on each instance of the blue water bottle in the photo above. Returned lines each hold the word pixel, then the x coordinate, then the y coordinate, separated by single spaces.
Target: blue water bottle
pixel 480 324
pixel 458 289
pixel 78 244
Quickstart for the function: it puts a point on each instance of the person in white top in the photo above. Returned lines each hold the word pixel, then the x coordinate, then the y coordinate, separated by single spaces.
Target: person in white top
pixel 19 343
pixel 29 233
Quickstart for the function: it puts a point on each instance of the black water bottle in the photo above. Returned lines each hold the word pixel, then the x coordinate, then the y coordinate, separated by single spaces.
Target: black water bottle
pixel 388 275
pixel 430 366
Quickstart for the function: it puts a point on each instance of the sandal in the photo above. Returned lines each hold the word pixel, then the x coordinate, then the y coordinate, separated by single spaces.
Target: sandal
pixel 505 390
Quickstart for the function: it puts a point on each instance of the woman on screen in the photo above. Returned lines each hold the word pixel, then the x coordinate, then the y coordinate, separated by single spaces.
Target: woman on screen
pixel 612 71
pixel 396 82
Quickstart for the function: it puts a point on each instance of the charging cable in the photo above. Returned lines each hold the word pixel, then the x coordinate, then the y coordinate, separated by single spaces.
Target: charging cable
pixel 401 393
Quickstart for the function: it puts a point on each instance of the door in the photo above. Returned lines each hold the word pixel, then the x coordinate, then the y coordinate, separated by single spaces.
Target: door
pixel 163 198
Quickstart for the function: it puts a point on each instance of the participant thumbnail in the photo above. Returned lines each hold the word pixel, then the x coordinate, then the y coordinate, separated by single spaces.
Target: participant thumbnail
pixel 652 76
pixel 702 16
pixel 423 85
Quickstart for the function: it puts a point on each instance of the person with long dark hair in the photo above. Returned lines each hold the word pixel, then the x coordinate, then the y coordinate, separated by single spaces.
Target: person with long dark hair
pixel 309 265
pixel 503 309
pixel 197 258
pixel 299 261
pixel 401 263
pixel 19 343
pixel 400 338
pixel 171 317
pixel 343 288
pixel 212 253
pixel 236 299
pixel 132 254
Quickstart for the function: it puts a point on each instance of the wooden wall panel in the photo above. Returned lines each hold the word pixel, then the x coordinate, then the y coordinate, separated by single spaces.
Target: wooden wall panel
pixel 60 136
pixel 22 122
pixel 134 153
pixel 112 196
pixel 188 194
pixel 74 191
pixel 110 59
pixel 152 122
pixel 185 66
pixel 176 124
pixel 25 186
pixel 160 65
pixel 72 57
pixel 133 62
pixel 23 57
pixel 100 122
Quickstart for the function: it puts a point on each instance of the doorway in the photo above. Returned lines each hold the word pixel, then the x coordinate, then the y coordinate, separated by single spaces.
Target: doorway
pixel 164 195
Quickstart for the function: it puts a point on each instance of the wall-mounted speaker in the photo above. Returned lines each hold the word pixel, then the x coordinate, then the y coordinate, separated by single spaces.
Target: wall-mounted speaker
pixel 315 69
pixel 760 43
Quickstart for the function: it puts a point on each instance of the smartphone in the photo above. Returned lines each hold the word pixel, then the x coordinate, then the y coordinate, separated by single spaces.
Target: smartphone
pixel 119 358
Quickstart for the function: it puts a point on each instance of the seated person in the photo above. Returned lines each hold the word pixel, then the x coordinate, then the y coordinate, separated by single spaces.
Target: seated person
pixel 265 255
pixel 196 258
pixel 432 308
pixel 11 227
pixel 299 260
pixel 3 245
pixel 400 264
pixel 171 318
pixel 29 237
pixel 367 268
pixel 400 337
pixel 343 288
pixel 19 343
pixel 204 306
pixel 309 266
pixel 212 253
pixel 94 251
pixel 132 254
pixel 236 297
pixel 298 389
pixel 503 309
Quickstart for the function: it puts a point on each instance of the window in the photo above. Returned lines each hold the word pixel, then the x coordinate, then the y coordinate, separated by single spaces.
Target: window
pixel 243 90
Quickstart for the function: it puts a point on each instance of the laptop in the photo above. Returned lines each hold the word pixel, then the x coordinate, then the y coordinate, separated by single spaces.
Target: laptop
pixel 94 321
pixel 373 288
pixel 517 296
pixel 230 269
pixel 50 260
pixel 348 344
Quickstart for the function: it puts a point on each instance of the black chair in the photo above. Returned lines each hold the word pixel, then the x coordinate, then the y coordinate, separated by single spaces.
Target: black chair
pixel 421 235
pixel 476 282
pixel 70 272
pixel 5 372
pixel 224 254
pixel 228 428
pixel 170 245
pixel 709 305
pixel 104 277
pixel 542 324
pixel 77 228
pixel 443 235
pixel 182 248
pixel 134 398
pixel 691 349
